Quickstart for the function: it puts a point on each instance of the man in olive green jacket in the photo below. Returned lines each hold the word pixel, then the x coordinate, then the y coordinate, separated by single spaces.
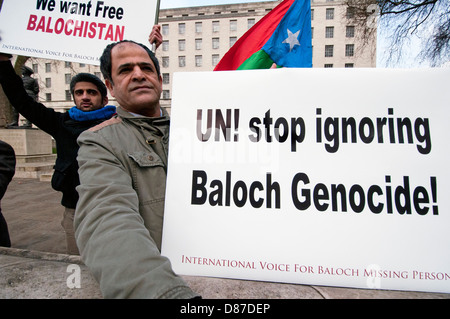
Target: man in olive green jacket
pixel 123 166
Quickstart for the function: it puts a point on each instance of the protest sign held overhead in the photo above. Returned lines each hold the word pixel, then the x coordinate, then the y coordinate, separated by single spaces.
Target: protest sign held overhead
pixel 76 31
pixel 288 175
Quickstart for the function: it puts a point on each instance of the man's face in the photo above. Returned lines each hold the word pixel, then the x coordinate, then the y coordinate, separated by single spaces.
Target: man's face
pixel 135 82
pixel 87 97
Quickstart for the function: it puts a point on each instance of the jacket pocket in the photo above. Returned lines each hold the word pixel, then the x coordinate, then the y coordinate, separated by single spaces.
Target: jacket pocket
pixel 148 176
pixel 62 179
pixel 58 180
pixel 146 159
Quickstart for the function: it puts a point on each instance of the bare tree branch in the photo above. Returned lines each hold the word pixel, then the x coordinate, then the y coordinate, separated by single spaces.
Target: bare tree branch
pixel 427 19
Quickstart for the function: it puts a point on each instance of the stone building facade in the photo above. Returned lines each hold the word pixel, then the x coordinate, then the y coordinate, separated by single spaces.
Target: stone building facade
pixel 196 38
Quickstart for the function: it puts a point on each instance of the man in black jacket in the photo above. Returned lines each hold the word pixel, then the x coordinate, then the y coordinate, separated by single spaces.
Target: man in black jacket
pixel 7 170
pixel 90 97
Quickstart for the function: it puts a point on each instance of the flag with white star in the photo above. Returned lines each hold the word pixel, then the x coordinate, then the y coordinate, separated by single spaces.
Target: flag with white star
pixel 282 37
pixel 290 44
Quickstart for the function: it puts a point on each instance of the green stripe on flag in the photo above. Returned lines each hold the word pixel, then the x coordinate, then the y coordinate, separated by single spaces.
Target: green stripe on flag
pixel 259 60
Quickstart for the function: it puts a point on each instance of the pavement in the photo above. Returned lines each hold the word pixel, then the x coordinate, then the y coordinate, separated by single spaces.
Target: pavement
pixel 33 212
pixel 37 266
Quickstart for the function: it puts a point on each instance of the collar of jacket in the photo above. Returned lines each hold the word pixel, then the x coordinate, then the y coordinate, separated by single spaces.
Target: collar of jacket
pixel 152 129
pixel 164 119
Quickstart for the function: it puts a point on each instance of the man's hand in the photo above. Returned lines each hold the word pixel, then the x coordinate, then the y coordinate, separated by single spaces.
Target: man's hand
pixel 5 56
pixel 155 36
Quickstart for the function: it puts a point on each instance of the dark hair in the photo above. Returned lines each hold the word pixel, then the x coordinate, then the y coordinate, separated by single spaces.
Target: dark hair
pixel 87 77
pixel 105 59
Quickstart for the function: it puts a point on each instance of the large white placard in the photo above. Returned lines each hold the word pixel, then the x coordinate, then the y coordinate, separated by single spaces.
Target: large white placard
pixel 76 31
pixel 332 177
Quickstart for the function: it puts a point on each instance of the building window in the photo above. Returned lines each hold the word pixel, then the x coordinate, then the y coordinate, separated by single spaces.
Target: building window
pixel 165 61
pixel 215 43
pixel 48 82
pixel 165 29
pixel 165 45
pixel 198 44
pixel 82 65
pixel 198 27
pixel 312 33
pixel 233 25
pixel 329 32
pixel 181 28
pixel 350 31
pixel 215 26
pixel 250 23
pixel 181 45
pixel 181 61
pixel 68 95
pixel 198 60
pixel 215 59
pixel 329 51
pixel 166 94
pixel 48 97
pixel 349 50
pixel 330 13
pixel 232 41
pixel 350 12
pixel 67 65
pixel 349 65
pixel 166 78
pixel 68 78
pixel 48 67
pixel 312 14
pixel 35 68
pixel 327 66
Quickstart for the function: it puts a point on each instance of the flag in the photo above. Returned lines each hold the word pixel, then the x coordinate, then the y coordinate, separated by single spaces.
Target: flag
pixel 283 36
